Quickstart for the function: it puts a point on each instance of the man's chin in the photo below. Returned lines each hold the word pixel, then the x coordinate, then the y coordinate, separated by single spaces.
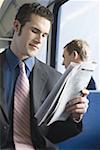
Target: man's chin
pixel 33 54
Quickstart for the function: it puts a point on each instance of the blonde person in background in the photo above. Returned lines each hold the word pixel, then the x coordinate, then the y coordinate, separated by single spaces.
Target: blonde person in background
pixel 78 51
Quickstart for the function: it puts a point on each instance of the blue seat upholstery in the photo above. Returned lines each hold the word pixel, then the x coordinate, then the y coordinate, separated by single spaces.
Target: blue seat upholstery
pixel 89 139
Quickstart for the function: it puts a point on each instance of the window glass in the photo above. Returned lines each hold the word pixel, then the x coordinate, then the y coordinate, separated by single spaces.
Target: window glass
pixel 41 55
pixel 79 19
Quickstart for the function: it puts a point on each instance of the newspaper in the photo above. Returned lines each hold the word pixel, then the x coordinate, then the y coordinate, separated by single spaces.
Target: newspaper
pixel 70 85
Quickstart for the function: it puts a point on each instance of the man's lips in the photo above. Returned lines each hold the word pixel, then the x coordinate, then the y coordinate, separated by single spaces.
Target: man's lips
pixel 34 46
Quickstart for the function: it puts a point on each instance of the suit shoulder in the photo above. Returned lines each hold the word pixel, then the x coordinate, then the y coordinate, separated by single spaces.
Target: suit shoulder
pixel 48 69
pixel 2 55
pixel 2 58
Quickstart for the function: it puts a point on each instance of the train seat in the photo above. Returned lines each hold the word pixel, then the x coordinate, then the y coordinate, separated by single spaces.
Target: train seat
pixel 90 137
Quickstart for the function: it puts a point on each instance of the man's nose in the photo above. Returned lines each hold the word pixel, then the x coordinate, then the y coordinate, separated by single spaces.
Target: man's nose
pixel 39 38
pixel 63 62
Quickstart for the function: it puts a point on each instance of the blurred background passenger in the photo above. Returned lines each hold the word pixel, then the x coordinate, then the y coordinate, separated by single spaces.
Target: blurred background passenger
pixel 78 51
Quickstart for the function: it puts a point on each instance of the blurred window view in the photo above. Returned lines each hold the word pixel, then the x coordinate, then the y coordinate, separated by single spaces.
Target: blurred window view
pixel 79 19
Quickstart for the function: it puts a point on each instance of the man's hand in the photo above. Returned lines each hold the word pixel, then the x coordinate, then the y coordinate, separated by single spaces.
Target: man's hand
pixel 78 106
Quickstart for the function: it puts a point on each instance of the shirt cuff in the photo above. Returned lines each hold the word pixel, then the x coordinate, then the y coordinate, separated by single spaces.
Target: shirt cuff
pixel 77 120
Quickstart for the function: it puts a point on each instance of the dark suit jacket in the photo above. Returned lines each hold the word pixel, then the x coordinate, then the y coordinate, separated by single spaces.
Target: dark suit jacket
pixel 42 79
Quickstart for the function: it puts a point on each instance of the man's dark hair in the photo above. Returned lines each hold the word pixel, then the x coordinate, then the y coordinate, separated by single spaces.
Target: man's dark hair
pixel 80 46
pixel 26 10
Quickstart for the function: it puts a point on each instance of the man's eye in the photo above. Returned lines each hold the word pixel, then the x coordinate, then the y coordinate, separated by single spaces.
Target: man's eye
pixel 44 35
pixel 34 31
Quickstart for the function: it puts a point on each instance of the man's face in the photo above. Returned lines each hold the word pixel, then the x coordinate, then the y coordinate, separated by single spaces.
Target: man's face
pixel 67 58
pixel 32 36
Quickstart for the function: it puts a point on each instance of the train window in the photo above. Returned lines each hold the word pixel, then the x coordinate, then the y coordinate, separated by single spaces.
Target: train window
pixel 42 54
pixel 79 19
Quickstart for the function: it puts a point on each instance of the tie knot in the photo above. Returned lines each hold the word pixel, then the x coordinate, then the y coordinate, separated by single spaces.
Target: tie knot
pixel 22 66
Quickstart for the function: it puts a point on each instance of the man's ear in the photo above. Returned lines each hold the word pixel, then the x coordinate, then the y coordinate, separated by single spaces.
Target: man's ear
pixel 16 26
pixel 76 55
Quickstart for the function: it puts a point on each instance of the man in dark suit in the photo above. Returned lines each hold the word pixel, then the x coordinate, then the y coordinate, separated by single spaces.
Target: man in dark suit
pixel 31 26
pixel 78 51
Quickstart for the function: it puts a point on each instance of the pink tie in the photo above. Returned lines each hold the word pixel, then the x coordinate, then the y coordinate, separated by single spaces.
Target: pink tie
pixel 21 130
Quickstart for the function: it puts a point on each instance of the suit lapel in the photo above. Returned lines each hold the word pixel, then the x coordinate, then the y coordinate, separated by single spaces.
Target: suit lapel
pixel 3 109
pixel 39 84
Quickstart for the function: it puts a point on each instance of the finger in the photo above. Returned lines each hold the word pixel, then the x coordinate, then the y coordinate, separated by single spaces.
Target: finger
pixel 84 92
pixel 76 101
pixel 78 108
pixel 77 111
